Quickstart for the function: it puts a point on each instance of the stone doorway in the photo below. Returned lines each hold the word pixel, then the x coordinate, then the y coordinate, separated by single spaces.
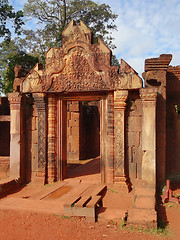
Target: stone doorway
pixel 83 140
pixel 81 137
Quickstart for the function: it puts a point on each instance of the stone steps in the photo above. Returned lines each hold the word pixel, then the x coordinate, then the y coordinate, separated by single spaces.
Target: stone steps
pixel 86 203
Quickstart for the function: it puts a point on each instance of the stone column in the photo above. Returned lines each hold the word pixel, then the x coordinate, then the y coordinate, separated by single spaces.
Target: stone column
pixel 120 97
pixel 148 97
pixel 42 142
pixel 17 161
pixel 51 138
pixel 110 139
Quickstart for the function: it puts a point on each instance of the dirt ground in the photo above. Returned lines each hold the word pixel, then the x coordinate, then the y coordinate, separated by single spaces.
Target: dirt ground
pixel 24 225
pixel 24 222
pixel 27 225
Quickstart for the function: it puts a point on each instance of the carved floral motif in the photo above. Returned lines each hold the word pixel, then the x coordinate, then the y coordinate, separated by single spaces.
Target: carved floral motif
pixel 78 75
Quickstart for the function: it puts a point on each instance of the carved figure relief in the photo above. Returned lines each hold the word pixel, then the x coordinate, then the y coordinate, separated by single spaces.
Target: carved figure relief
pixel 33 83
pixel 79 65
pixel 77 75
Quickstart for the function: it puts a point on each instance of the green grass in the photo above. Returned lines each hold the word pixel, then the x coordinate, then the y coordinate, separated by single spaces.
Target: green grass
pixel 112 190
pixel 66 217
pixel 161 232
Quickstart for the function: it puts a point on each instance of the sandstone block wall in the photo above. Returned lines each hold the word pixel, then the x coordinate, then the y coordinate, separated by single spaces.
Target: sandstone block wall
pixel 72 131
pixel 31 161
pixel 89 130
pixel 133 137
pixel 173 121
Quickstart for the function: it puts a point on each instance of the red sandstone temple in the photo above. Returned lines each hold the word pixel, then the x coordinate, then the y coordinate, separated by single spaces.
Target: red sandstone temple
pixel 80 107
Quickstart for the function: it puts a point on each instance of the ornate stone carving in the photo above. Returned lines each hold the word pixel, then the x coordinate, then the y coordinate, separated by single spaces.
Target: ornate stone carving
pixel 79 66
pixel 119 108
pixel 78 76
pixel 33 82
pixel 76 33
pixel 148 96
pixel 15 100
pixel 41 106
pixel 51 137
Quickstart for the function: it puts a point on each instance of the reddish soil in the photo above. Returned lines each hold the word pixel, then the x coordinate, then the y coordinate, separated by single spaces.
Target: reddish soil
pixel 27 225
pixel 24 224
pixel 43 219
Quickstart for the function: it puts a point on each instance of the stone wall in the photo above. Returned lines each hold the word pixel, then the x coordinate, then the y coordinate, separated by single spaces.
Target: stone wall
pixel 31 140
pixel 89 130
pixel 83 130
pixel 72 131
pixel 173 121
pixel 133 137
pixel 4 137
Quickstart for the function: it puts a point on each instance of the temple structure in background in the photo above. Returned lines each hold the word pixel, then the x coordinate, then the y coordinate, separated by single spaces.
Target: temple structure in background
pixel 80 107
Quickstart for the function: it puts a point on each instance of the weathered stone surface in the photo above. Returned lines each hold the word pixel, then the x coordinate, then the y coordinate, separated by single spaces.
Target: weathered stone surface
pixel 80 66
pixel 134 124
pixel 133 138
pixel 160 63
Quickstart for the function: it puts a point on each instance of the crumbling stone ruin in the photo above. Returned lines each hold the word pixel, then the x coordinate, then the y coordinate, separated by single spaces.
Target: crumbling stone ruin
pixel 79 106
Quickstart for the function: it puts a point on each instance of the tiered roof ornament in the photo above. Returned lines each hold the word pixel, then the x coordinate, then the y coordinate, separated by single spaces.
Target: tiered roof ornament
pixel 78 66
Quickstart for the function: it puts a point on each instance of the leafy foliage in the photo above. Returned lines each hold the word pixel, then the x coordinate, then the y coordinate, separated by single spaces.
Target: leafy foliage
pixel 7 14
pixel 6 52
pixel 20 58
pixel 54 15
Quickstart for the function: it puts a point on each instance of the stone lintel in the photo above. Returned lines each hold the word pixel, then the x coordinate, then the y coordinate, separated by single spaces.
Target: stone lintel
pixel 128 81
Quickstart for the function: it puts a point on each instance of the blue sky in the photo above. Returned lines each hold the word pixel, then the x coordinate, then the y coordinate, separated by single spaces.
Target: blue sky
pixel 146 28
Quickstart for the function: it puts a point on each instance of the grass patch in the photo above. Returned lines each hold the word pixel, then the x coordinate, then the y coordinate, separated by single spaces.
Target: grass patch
pixel 65 217
pixel 161 232
pixel 112 190
pixel 55 214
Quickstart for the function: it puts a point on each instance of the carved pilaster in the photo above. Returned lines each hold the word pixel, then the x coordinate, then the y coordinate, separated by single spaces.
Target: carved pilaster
pixel 17 148
pixel 110 137
pixel 51 137
pixel 148 97
pixel 15 100
pixel 120 98
pixel 41 106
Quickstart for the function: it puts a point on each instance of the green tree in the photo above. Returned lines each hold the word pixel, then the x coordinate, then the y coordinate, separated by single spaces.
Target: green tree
pixel 54 15
pixel 8 15
pixel 20 58
pixel 6 52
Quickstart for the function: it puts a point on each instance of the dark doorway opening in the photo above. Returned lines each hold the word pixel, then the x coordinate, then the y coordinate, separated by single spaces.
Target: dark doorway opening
pixel 89 130
pixel 83 139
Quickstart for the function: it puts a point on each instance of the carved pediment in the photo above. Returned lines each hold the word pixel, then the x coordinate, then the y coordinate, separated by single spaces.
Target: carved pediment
pixel 79 65
pixel 77 74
